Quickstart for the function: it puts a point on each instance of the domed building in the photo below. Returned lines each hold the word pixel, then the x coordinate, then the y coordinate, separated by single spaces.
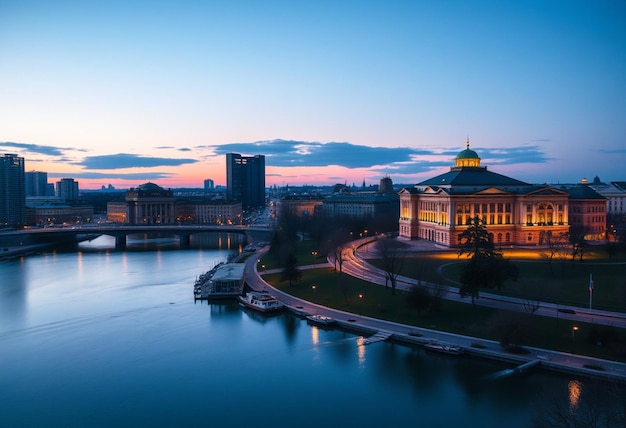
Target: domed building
pixel 149 203
pixel 515 212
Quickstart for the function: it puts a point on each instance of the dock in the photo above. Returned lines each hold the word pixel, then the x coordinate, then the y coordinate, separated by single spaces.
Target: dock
pixel 522 368
pixel 377 337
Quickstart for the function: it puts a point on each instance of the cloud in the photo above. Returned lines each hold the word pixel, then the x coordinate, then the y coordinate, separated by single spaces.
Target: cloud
pixel 180 149
pixel 403 160
pixel 37 148
pixel 613 152
pixel 514 155
pixel 143 176
pixel 125 160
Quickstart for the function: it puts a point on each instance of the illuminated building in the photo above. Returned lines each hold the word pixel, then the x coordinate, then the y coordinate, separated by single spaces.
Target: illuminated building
pixel 515 213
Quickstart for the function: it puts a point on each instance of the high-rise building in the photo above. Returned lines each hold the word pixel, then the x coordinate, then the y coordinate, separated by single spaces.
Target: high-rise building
pixel 245 179
pixel 67 189
pixel 36 183
pixel 12 194
pixel 209 185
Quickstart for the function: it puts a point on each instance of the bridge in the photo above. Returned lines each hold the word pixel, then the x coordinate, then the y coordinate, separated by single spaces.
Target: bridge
pixel 120 232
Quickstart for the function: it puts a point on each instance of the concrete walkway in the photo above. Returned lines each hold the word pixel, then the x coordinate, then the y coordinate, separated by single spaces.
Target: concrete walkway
pixel 552 360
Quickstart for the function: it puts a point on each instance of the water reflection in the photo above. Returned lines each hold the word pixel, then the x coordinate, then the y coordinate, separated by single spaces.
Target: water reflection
pixel 575 389
pixel 110 336
pixel 13 294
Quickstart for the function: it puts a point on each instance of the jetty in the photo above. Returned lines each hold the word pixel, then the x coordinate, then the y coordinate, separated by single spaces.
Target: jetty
pixel 222 281
pixel 379 336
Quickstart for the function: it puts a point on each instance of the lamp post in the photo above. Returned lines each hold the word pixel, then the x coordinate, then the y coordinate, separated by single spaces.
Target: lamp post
pixel 574 330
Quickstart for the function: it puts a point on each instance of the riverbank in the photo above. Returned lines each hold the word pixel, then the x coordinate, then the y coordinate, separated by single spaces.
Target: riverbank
pixel 548 359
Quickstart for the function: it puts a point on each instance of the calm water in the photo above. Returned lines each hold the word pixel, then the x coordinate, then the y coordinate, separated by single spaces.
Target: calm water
pixel 104 338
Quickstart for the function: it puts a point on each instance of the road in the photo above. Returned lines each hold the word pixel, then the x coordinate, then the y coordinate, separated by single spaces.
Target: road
pixel 552 360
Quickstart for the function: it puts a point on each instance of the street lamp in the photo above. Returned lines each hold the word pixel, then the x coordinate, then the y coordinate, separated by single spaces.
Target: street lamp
pixel 574 330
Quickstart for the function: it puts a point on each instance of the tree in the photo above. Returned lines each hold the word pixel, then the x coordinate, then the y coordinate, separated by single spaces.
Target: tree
pixel 578 241
pixel 556 246
pixel 418 297
pixel 291 272
pixel 285 237
pixel 486 267
pixel 337 240
pixel 393 254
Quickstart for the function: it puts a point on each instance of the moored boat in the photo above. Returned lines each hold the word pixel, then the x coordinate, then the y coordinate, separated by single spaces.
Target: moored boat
pixel 320 320
pixel 261 302
pixel 444 348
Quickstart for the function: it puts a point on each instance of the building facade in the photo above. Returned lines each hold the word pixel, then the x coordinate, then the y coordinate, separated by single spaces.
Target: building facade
pixel 209 212
pixel 515 213
pixel 36 183
pixel 587 212
pixel 12 192
pixel 245 180
pixel 67 189
pixel 150 204
pixel 49 214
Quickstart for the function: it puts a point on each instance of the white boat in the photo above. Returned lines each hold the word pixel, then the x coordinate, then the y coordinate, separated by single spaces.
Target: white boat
pixel 444 348
pixel 260 301
pixel 320 319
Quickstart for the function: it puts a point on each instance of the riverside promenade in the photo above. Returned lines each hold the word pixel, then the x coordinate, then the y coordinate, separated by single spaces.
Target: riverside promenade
pixel 548 359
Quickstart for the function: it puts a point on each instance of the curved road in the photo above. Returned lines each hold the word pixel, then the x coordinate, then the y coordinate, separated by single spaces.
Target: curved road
pixel 553 360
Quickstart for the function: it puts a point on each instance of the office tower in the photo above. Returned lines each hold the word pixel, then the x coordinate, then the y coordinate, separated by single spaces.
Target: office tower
pixel 245 179
pixel 67 189
pixel 12 194
pixel 209 185
pixel 36 183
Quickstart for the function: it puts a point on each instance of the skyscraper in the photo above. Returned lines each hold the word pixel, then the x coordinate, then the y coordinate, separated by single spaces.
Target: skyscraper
pixel 12 194
pixel 245 179
pixel 67 189
pixel 36 183
pixel 209 185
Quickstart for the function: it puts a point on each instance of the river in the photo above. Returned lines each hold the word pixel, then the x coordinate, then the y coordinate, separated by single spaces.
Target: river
pixel 101 338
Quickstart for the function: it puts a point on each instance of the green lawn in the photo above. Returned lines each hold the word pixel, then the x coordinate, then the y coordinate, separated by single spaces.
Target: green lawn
pixel 568 287
pixel 564 283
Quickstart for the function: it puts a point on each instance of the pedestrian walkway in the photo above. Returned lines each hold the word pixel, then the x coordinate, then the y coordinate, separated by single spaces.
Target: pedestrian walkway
pixel 401 333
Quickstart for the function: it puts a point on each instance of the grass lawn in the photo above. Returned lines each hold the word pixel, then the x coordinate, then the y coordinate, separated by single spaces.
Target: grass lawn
pixel 564 283
pixel 360 297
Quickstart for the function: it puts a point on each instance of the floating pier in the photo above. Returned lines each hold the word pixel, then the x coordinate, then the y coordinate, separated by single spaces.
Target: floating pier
pixel 377 337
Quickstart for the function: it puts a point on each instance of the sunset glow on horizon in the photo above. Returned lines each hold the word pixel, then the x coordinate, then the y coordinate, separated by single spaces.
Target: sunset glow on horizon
pixel 330 92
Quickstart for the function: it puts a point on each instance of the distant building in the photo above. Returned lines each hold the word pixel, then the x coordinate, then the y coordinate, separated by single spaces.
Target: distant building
pixel 615 194
pixel 245 180
pixel 12 192
pixel 203 211
pixel 385 186
pixel 36 183
pixel 150 204
pixel 301 205
pixel 67 189
pixel 361 205
pixel 516 213
pixel 587 212
pixel 209 185
pixel 55 213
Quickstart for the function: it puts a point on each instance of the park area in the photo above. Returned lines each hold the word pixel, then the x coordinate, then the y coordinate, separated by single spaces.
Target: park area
pixel 562 282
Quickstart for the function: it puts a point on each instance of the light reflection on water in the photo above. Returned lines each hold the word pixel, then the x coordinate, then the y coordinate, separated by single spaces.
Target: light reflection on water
pixel 107 338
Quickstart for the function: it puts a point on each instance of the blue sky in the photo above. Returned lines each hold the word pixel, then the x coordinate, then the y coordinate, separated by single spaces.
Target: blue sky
pixel 330 91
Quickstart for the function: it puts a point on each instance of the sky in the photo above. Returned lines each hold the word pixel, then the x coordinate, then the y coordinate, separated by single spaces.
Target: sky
pixel 330 91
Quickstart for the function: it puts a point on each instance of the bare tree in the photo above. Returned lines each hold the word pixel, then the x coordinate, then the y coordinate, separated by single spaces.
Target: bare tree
pixel 337 240
pixel 599 407
pixel 557 246
pixel 393 254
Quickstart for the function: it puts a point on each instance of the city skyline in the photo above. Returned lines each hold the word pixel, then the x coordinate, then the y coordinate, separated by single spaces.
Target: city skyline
pixel 328 92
